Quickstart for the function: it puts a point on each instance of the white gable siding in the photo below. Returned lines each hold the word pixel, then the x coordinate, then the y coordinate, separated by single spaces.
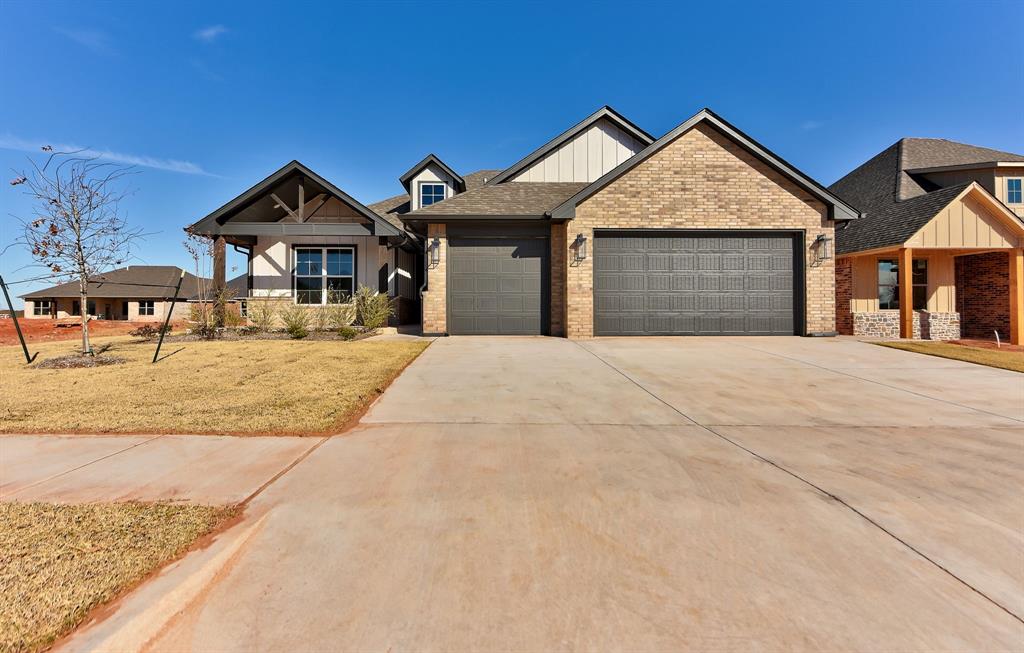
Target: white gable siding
pixel 586 157
pixel 430 174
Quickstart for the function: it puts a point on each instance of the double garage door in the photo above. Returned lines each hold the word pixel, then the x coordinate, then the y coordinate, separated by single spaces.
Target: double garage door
pixel 695 283
pixel 645 283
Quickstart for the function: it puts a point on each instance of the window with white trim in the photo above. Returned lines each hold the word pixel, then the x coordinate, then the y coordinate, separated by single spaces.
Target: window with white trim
pixel 1013 191
pixel 41 307
pixel 323 275
pixel 147 307
pixel 431 193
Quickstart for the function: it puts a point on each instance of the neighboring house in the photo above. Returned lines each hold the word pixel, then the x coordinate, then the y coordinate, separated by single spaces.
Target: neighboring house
pixel 138 293
pixel 937 251
pixel 604 230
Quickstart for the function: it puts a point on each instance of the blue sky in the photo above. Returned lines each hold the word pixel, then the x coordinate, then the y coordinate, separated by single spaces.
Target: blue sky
pixel 209 98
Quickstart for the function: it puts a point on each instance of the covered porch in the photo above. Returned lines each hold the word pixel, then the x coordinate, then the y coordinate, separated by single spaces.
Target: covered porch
pixel 960 275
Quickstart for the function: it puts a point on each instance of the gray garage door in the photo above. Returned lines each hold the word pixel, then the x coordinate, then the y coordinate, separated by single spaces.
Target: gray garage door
pixel 497 286
pixel 686 283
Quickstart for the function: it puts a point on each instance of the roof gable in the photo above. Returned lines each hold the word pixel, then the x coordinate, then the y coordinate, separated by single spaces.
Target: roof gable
pixel 431 159
pixel 211 224
pixel 605 113
pixel 837 208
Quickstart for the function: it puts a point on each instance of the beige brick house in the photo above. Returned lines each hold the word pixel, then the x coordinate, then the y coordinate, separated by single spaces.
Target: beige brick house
pixel 603 230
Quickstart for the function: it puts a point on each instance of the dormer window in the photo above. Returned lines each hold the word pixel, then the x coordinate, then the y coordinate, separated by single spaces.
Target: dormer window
pixel 1013 191
pixel 431 194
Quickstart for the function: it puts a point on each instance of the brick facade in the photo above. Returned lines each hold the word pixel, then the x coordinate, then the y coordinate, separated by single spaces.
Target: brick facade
pixel 435 299
pixel 983 294
pixel 559 260
pixel 702 180
pixel 844 296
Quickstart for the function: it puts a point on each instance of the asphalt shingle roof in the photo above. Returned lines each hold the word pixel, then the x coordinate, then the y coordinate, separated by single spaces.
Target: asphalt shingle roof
pixel 509 198
pixel 393 207
pixel 896 203
pixel 141 281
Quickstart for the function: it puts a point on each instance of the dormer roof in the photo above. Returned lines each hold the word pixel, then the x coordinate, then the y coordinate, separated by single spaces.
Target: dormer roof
pixel 432 159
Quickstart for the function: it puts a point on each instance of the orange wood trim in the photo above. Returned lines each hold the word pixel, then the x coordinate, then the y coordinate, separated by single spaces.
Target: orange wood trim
pixel 906 290
pixel 1017 296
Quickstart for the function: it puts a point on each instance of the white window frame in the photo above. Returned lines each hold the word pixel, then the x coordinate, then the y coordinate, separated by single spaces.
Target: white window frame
pixel 150 310
pixel 37 304
pixel 444 192
pixel 323 249
pixel 1019 190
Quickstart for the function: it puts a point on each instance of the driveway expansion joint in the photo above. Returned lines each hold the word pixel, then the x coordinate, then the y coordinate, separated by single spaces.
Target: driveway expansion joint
pixel 811 484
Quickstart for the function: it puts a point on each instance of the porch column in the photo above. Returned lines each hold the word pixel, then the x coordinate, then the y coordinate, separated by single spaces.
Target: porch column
pixel 906 290
pixel 219 280
pixel 1016 296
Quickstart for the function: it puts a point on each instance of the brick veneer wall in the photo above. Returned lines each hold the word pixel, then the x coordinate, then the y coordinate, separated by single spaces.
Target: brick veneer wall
pixel 559 260
pixel 844 296
pixel 983 294
pixel 702 180
pixel 435 315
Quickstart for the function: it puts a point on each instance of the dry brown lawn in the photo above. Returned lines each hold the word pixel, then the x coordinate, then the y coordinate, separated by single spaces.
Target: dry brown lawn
pixel 1007 360
pixel 59 561
pixel 243 387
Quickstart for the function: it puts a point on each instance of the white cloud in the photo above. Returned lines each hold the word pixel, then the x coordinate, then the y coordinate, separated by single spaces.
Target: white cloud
pixel 209 34
pixel 92 39
pixel 810 125
pixel 9 142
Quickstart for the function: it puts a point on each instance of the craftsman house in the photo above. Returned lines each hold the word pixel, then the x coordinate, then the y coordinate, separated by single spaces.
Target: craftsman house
pixel 603 230
pixel 937 252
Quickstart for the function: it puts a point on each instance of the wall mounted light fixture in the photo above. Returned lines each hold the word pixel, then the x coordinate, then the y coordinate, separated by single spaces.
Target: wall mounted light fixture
pixel 435 251
pixel 579 248
pixel 822 248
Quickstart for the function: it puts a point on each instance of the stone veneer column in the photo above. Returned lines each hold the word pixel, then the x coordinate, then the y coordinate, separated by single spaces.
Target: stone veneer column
pixel 435 299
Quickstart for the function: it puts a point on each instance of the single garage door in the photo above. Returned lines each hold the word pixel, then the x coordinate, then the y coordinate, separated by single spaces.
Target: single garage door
pixel 695 283
pixel 497 286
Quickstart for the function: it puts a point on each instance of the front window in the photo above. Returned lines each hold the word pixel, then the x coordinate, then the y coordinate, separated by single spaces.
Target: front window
pixel 431 194
pixel 76 307
pixel 41 307
pixel 889 284
pixel 324 275
pixel 147 308
pixel 243 308
pixel 1013 191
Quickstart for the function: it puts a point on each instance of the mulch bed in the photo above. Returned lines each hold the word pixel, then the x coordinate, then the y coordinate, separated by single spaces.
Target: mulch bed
pixel 73 361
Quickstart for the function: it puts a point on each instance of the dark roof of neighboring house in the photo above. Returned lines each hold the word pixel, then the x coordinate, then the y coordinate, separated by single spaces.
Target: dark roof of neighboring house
pixel 896 202
pixel 134 281
pixel 393 207
pixel 237 288
pixel 511 199
pixel 837 208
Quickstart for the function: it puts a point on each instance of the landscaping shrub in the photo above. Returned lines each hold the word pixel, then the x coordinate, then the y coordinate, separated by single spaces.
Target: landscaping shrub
pixel 296 321
pixel 348 333
pixel 262 315
pixel 206 330
pixel 372 308
pixel 149 331
pixel 320 318
pixel 341 315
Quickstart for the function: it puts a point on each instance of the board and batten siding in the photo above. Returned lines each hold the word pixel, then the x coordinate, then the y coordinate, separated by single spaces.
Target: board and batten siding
pixel 941 281
pixel 586 157
pixel 272 262
pixel 965 222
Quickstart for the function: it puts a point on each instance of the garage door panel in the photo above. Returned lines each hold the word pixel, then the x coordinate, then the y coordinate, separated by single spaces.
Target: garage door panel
pixel 672 283
pixel 497 285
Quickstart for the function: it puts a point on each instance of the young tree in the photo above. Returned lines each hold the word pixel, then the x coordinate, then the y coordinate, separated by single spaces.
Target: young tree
pixel 77 229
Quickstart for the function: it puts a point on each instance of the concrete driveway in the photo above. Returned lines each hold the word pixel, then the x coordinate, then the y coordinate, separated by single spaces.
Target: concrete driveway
pixel 643 494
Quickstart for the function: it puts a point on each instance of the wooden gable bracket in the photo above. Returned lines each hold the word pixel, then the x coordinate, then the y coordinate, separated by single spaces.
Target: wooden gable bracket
pixel 284 206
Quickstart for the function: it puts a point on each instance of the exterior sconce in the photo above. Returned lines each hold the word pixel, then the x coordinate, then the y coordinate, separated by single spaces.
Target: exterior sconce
pixel 822 248
pixel 579 248
pixel 435 252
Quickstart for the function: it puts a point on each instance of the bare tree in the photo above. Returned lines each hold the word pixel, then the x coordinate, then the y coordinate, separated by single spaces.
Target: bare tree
pixel 76 230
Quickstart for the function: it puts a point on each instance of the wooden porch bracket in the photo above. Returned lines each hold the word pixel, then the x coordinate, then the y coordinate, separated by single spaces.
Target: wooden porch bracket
pixel 1016 296
pixel 284 206
pixel 906 290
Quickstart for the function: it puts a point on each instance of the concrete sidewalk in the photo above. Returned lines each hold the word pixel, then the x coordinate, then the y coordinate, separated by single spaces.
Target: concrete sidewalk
pixel 86 468
pixel 647 494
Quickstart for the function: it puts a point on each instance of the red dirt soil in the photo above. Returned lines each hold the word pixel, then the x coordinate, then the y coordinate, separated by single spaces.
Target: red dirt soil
pixel 51 330
pixel 987 344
